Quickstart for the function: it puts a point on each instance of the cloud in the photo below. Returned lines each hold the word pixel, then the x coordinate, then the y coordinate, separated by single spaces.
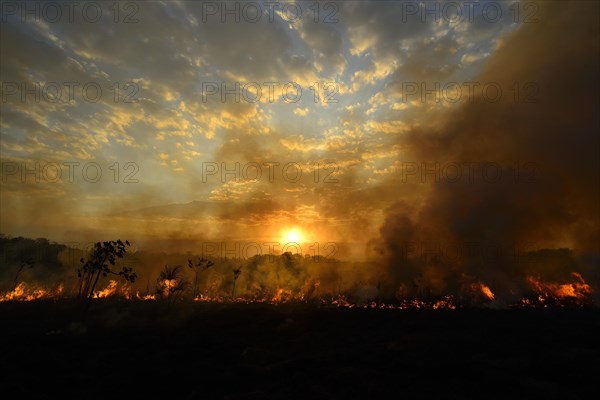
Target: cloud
pixel 302 112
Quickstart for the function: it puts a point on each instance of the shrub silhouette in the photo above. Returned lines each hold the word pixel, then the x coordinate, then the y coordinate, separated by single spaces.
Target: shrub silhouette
pixel 171 282
pixel 103 256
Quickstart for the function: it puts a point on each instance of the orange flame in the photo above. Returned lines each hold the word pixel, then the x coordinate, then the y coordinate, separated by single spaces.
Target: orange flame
pixel 146 296
pixel 24 293
pixel 578 290
pixel 108 291
pixel 487 292
pixel 546 294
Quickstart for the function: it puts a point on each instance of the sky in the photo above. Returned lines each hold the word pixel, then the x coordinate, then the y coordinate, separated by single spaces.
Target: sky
pixel 349 128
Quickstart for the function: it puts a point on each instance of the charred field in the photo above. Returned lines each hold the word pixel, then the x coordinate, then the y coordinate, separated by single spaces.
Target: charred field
pixel 195 350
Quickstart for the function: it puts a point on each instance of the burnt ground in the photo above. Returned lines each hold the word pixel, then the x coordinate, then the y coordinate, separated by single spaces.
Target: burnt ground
pixel 261 351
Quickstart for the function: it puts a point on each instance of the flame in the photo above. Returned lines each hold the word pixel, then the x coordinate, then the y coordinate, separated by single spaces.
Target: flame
pixel 168 286
pixel 474 291
pixel 342 301
pixel 169 283
pixel 447 303
pixel 145 297
pixel 487 292
pixel 282 296
pixel 108 291
pixel 577 292
pixel 24 293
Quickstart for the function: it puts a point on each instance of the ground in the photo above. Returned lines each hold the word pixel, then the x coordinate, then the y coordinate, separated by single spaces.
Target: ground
pixel 262 351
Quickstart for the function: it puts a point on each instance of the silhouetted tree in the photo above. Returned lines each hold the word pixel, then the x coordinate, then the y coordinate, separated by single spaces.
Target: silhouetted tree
pixel 103 256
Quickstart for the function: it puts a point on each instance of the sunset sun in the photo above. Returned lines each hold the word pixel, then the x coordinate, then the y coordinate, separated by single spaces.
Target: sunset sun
pixel 293 235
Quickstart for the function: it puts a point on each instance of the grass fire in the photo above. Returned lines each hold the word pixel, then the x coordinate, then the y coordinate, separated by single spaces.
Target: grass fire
pixel 278 279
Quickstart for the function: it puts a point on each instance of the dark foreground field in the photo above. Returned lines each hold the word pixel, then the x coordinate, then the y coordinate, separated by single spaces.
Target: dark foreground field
pixel 260 351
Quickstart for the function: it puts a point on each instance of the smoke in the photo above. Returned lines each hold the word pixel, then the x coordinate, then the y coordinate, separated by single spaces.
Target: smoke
pixel 547 152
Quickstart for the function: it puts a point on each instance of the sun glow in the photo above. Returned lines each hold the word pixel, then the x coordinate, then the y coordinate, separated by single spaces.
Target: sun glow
pixel 293 235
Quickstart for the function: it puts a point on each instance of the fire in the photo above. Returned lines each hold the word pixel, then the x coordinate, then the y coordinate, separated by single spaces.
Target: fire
pixel 169 283
pixel 206 298
pixel 447 303
pixel 578 290
pixel 282 296
pixel 473 293
pixel 342 301
pixel 108 291
pixel 486 291
pixel 24 293
pixel 146 296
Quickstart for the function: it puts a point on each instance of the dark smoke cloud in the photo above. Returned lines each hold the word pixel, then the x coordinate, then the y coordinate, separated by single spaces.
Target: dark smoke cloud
pixel 556 206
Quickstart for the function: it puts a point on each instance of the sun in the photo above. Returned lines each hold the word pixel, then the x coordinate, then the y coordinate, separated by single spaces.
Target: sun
pixel 293 235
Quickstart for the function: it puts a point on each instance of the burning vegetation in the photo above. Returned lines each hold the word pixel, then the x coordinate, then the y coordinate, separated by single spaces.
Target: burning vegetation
pixel 553 293
pixel 25 292
pixel 286 278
